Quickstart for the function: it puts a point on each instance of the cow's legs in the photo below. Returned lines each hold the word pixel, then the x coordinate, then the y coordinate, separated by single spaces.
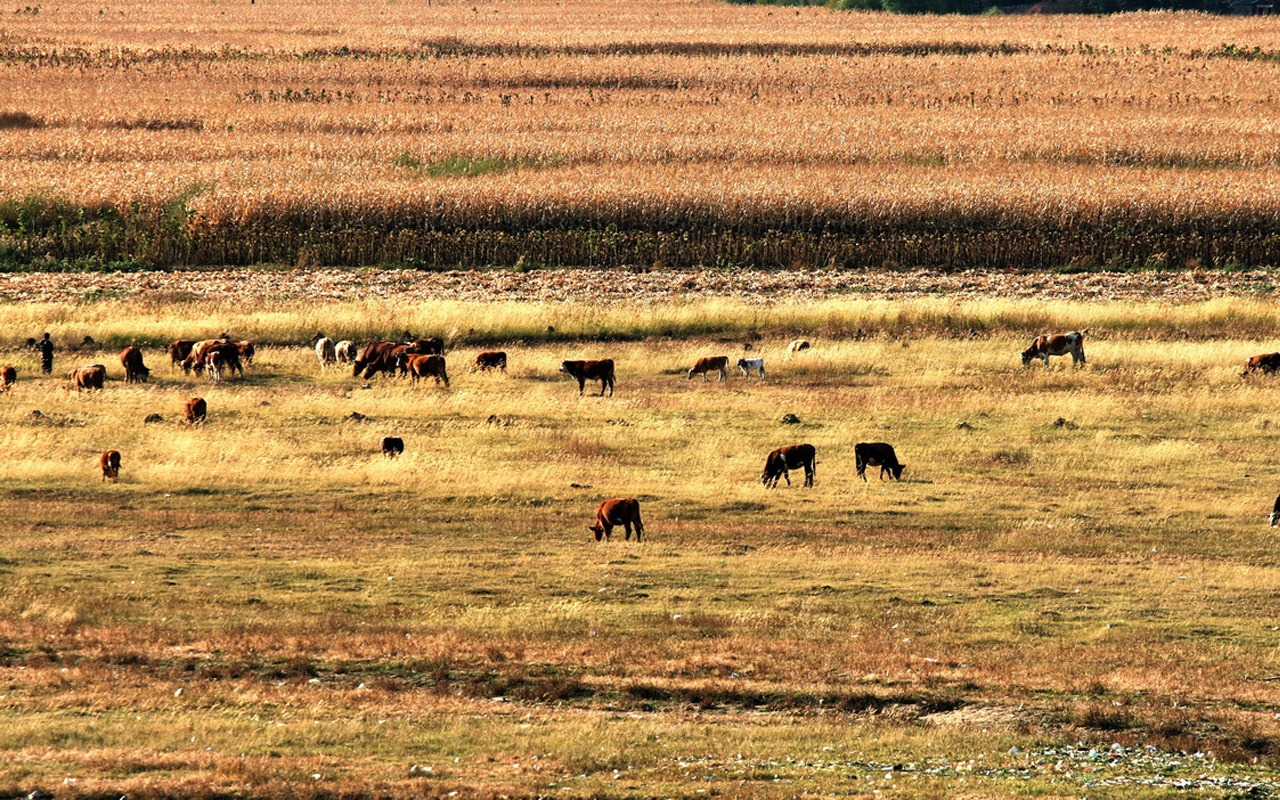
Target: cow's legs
pixel 582 383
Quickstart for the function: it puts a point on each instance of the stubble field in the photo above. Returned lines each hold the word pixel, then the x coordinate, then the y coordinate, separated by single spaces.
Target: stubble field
pixel 1072 591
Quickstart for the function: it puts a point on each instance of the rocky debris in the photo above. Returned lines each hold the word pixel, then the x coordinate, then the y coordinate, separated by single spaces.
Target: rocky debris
pixel 1064 423
pixel 153 418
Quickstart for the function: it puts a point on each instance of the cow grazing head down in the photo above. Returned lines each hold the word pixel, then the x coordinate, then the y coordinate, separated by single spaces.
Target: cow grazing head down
pixel 110 462
pixel 877 454
pixel 1057 344
pixel 8 377
pixel 392 446
pixel 614 512
pixel 780 462
pixel 1275 514
pixel 197 410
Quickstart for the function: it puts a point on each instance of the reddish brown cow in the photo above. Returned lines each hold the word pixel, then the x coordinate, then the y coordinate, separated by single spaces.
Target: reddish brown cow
pixel 718 364
pixel 422 367
pixel 93 376
pixel 197 410
pixel 493 359
pixel 8 377
pixel 378 357
pixel 110 463
pixel 179 349
pixel 614 512
pixel 1267 364
pixel 781 461
pixel 222 360
pixel 246 351
pixel 591 371
pixel 134 370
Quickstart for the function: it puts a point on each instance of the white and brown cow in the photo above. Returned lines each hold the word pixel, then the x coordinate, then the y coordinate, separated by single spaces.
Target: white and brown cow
pixel 1057 344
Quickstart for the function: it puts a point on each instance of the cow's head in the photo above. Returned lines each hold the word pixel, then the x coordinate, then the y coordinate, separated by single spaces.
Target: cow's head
pixel 598 530
pixel 896 471
pixel 692 372
pixel 1028 354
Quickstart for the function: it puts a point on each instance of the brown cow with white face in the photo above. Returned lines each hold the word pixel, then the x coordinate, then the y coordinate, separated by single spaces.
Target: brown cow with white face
pixel 718 364
pixel 781 461
pixel 110 462
pixel 614 512
pixel 1058 344
pixel 584 371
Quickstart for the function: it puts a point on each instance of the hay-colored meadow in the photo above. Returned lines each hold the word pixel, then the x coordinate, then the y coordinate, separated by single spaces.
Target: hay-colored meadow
pixel 1076 562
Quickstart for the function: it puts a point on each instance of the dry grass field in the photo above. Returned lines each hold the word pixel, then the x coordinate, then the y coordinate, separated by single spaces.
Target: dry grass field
pixel 592 133
pixel 1071 592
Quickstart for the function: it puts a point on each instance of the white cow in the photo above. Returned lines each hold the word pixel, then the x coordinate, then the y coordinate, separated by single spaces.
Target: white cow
pixel 345 351
pixel 749 365
pixel 325 352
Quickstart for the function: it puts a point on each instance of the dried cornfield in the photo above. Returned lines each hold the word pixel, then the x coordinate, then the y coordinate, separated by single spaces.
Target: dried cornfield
pixel 597 134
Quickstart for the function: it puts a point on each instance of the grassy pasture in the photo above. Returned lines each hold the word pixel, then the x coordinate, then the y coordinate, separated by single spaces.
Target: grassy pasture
pixel 265 606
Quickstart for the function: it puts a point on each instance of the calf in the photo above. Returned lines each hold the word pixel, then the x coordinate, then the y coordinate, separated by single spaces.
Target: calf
pixel 781 461
pixel 196 410
pixel 1267 364
pixel 877 454
pixel 90 377
pixel 134 370
pixel 749 365
pixel 494 359
pixel 392 446
pixel 614 512
pixel 718 364
pixel 1058 344
pixel 8 377
pixel 110 462
pixel 591 371
pixel 418 366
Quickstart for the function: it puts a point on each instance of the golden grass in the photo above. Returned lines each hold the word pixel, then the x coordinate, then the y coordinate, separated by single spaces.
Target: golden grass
pixel 265 598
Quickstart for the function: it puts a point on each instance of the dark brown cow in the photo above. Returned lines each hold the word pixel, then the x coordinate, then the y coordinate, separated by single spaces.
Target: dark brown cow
pixel 877 454
pixel 134 370
pixel 1058 344
pixel 377 357
pixel 392 446
pixel 425 347
pixel 110 463
pixel 591 371
pixel 493 359
pixel 423 367
pixel 246 351
pixel 1267 364
pixel 714 364
pixel 8 377
pixel 614 512
pixel 93 376
pixel 781 461
pixel 197 410
pixel 179 349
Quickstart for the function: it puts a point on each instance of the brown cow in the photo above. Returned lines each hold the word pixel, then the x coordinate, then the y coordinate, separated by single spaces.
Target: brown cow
pixel 246 351
pixel 715 364
pixel 110 463
pixel 134 370
pixel 197 410
pixel 417 366
pixel 377 357
pixel 8 377
pixel 1267 364
pixel 90 377
pixel 877 454
pixel 493 359
pixel 781 461
pixel 179 349
pixel 591 371
pixel 392 446
pixel 222 360
pixel 1058 344
pixel 614 512
pixel 425 347
pixel 197 355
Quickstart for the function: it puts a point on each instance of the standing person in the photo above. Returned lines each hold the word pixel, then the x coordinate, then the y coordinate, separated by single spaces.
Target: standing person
pixel 45 346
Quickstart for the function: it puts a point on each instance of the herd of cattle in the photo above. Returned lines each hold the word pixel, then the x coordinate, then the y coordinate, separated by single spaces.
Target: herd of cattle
pixel 424 358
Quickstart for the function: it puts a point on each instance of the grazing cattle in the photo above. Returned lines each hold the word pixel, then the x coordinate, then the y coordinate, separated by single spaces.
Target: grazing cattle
pixel 425 347
pixel 1267 364
pixel 798 346
pixel 179 349
pixel 246 351
pixel 1275 513
pixel 110 462
pixel 493 359
pixel 345 351
pixel 326 354
pixel 781 461
pixel 90 377
pixel 877 454
pixel 134 370
pixel 222 360
pixel 196 410
pixel 718 364
pixel 1058 344
pixel 378 357
pixel 614 512
pixel 591 371
pixel 749 365
pixel 8 377
pixel 392 446
pixel 418 366
pixel 199 352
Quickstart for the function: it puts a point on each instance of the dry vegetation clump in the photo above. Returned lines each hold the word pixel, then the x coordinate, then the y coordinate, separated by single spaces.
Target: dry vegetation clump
pixel 266 605
pixel 592 134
